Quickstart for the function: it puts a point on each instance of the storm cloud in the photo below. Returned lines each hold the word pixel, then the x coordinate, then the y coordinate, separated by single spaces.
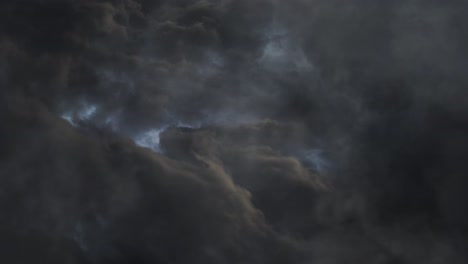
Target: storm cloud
pixel 233 131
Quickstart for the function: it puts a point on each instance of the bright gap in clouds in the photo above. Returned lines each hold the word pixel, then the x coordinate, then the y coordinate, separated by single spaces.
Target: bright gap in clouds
pixel 150 139
pixel 85 112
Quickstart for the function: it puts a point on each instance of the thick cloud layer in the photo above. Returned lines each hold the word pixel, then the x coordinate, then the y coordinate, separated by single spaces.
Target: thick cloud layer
pixel 222 131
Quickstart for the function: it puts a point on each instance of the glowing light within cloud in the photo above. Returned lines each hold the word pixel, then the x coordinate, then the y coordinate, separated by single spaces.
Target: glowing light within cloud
pixel 275 49
pixel 85 112
pixel 315 159
pixel 68 117
pixel 112 121
pixel 150 139
pixel 281 53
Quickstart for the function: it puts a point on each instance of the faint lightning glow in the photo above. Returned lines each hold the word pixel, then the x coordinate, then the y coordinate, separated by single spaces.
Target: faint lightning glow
pixel 282 53
pixel 69 118
pixel 274 50
pixel 83 113
pixel 87 112
pixel 314 158
pixel 150 139
pixel 181 124
pixel 112 120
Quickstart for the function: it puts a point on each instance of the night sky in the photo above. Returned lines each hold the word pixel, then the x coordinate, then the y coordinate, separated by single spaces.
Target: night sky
pixel 233 131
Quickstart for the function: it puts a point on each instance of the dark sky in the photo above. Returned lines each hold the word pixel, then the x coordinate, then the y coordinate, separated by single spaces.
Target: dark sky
pixel 233 131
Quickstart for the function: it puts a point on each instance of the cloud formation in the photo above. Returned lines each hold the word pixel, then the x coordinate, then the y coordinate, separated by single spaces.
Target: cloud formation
pixel 222 131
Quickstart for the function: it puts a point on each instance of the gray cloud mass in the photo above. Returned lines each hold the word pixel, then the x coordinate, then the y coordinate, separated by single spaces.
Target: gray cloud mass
pixel 233 131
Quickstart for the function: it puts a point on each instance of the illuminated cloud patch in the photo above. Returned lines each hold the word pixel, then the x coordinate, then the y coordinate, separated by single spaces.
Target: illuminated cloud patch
pixel 150 139
pixel 84 113
pixel 316 160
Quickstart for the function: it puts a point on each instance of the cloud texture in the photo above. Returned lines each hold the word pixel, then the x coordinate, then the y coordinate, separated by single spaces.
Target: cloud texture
pixel 233 131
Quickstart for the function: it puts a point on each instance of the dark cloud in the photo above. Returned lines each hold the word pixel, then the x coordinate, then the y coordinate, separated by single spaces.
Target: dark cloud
pixel 221 131
pixel 115 201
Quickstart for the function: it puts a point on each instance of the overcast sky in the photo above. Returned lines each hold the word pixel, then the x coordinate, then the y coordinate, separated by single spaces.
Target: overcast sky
pixel 233 131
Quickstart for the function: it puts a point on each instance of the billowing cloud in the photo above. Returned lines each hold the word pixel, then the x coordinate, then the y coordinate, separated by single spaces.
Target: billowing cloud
pixel 222 131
